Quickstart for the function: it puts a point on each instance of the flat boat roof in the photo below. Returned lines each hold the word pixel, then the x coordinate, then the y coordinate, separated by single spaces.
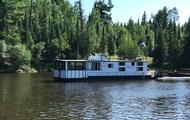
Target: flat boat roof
pixel 72 60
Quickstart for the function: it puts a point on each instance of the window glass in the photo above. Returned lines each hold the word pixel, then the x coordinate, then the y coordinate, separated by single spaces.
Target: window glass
pixel 76 65
pixel 121 63
pixel 96 66
pixel 122 69
pixel 59 65
pixel 80 66
pixel 132 63
pixel 71 65
pixel 140 69
pixel 110 65
pixel 140 63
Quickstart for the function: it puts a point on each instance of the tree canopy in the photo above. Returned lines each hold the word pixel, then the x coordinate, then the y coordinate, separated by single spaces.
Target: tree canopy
pixel 35 33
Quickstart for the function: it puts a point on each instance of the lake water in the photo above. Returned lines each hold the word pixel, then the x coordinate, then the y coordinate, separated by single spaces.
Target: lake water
pixel 37 97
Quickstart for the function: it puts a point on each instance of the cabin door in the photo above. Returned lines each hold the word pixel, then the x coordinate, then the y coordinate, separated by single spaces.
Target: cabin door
pixel 96 66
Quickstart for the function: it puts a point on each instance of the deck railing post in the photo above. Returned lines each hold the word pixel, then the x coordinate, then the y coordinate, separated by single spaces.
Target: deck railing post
pixel 66 69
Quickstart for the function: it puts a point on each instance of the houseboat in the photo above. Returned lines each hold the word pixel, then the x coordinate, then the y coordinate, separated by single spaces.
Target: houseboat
pixel 99 67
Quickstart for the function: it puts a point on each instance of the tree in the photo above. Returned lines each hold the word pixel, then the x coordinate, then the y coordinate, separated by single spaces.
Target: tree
pixel 105 16
pixel 173 14
pixel 144 17
pixel 186 55
pixel 79 27
pixel 160 24
pixel 127 47
pixel 3 54
pixel 3 12
pixel 19 55
pixel 37 55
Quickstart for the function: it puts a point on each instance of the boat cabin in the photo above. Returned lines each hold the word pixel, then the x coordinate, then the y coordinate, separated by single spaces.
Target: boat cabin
pixel 97 66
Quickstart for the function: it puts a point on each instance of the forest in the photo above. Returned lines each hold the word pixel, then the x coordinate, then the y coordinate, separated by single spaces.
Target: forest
pixel 34 33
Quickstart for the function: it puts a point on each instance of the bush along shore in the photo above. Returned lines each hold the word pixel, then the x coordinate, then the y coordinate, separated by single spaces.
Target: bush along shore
pixel 22 69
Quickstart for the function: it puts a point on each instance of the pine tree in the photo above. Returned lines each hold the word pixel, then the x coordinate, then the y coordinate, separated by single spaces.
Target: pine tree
pixel 186 55
pixel 160 24
pixel 3 12
pixel 144 17
pixel 105 16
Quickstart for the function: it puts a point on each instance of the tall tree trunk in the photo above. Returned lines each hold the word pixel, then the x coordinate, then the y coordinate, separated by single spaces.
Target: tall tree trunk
pixel 30 14
pixel 78 39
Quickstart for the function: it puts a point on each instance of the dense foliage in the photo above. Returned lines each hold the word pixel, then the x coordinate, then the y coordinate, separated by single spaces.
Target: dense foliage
pixel 37 32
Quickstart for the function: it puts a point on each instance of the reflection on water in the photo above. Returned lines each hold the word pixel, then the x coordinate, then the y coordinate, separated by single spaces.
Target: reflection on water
pixel 37 97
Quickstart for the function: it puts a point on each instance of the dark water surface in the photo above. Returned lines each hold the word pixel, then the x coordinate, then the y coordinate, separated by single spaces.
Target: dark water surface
pixel 37 97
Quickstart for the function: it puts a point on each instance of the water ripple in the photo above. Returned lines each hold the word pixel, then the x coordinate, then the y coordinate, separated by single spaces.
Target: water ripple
pixel 27 97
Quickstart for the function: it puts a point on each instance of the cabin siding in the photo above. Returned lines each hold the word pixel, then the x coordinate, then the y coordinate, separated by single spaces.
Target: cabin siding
pixel 56 73
pixel 76 74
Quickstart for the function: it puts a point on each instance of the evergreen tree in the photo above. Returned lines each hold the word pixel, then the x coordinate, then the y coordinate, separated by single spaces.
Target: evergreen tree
pixel 127 47
pixel 3 13
pixel 186 55
pixel 105 16
pixel 160 24
pixel 144 17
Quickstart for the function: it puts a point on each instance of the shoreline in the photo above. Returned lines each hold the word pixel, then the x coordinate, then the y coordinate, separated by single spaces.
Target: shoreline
pixel 161 73
pixel 25 72
pixel 175 72
pixel 31 70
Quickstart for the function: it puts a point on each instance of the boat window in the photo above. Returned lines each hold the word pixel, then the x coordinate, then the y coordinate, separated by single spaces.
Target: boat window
pixel 132 63
pixel 121 68
pixel 62 65
pixel 140 63
pixel 80 66
pixel 121 63
pixel 71 65
pixel 139 68
pixel 76 66
pixel 56 65
pixel 96 65
pixel 59 65
pixel 110 65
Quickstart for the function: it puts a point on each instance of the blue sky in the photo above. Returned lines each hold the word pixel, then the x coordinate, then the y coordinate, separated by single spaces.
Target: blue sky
pixel 125 9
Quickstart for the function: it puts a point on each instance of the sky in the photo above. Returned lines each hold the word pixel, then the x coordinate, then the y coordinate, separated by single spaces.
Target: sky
pixel 125 9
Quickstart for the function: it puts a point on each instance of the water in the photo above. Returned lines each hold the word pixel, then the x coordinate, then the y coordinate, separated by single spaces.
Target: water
pixel 37 97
